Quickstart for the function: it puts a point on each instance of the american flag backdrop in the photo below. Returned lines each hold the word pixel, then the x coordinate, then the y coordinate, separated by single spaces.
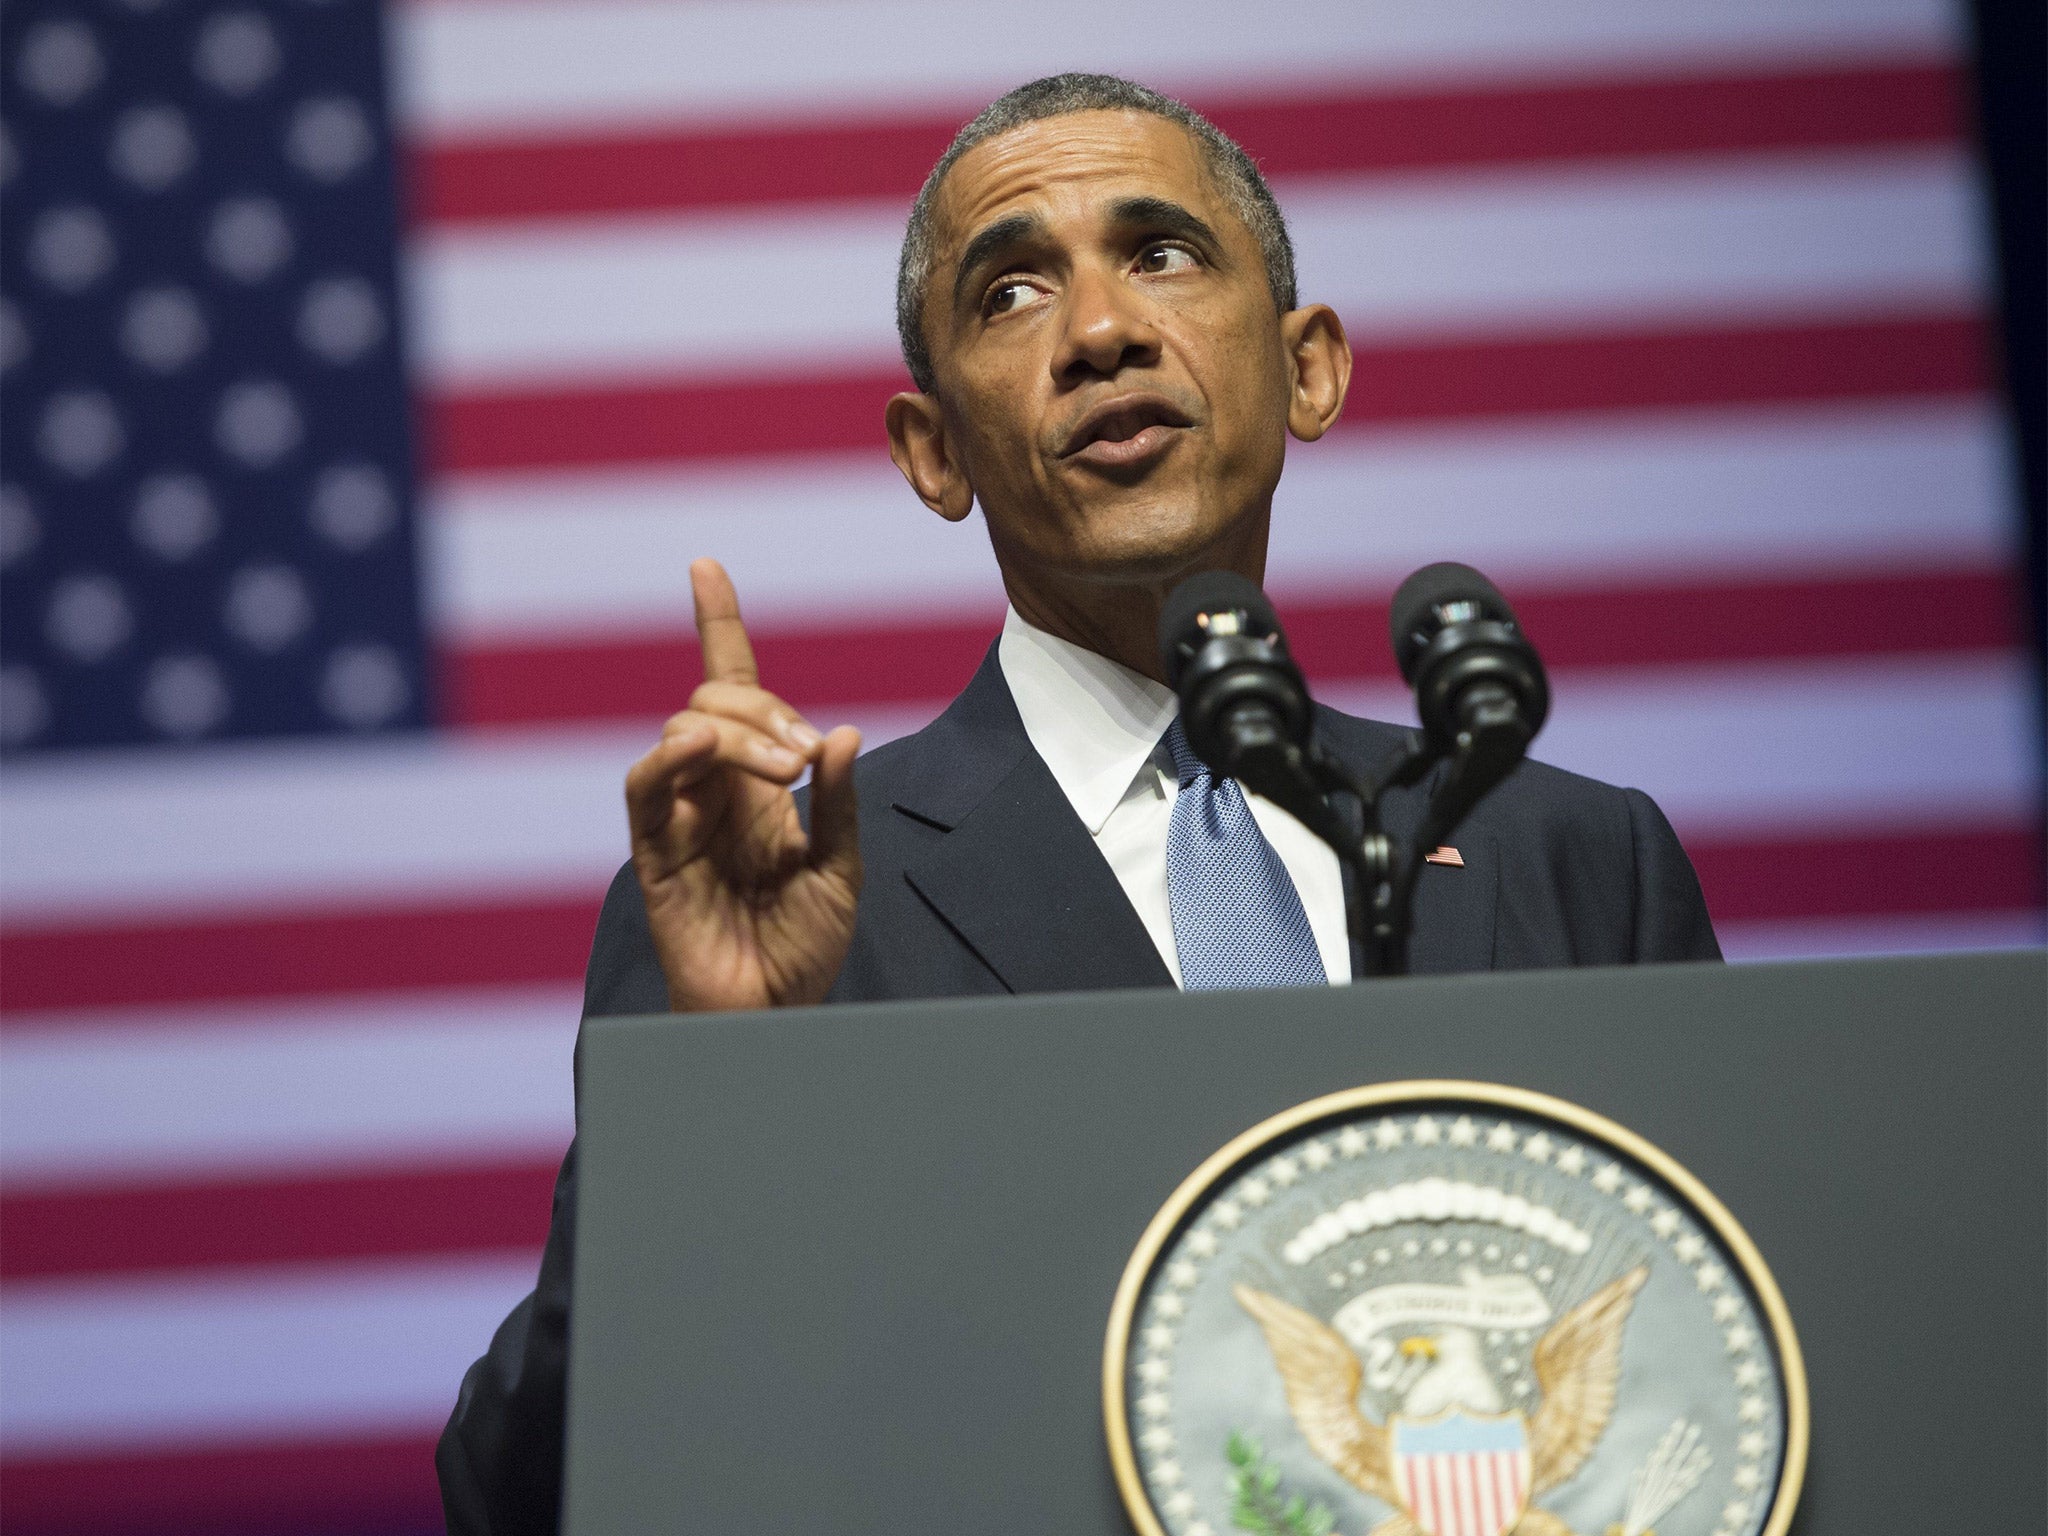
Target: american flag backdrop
pixel 372 377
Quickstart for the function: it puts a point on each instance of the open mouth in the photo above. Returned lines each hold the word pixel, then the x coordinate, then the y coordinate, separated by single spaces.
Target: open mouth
pixel 1125 431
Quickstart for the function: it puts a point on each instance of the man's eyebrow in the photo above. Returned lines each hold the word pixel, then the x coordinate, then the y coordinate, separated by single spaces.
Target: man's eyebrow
pixel 991 242
pixel 1166 216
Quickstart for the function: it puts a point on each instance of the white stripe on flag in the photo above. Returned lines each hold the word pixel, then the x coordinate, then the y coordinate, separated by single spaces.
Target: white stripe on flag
pixel 1734 750
pixel 578 554
pixel 1701 741
pixel 276 1088
pixel 526 65
pixel 396 819
pixel 1816 938
pixel 246 1358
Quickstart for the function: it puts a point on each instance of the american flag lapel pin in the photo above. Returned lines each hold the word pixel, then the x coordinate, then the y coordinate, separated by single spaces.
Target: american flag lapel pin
pixel 1445 855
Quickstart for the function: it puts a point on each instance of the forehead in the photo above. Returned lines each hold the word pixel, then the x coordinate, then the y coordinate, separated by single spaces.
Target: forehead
pixel 1070 164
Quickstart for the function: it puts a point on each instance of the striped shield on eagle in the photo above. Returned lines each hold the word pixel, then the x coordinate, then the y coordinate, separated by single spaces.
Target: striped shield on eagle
pixel 1462 1474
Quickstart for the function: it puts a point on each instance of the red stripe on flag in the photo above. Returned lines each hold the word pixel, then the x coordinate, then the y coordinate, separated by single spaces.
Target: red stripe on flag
pixel 1881 873
pixel 412 1212
pixel 384 1485
pixel 303 953
pixel 658 423
pixel 1993 867
pixel 1900 355
pixel 458 181
pixel 1894 613
pixel 649 676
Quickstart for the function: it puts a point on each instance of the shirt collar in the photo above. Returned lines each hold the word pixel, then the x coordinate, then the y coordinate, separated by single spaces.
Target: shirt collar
pixel 1094 721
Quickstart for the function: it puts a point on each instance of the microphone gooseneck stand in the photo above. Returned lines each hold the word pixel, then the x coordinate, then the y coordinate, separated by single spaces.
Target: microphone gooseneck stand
pixel 1379 907
pixel 1482 695
pixel 1480 691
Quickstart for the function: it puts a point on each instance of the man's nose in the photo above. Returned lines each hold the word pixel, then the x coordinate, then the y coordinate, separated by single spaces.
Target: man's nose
pixel 1105 328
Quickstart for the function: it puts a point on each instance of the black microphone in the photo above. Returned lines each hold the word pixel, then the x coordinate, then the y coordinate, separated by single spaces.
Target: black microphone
pixel 1243 703
pixel 1479 685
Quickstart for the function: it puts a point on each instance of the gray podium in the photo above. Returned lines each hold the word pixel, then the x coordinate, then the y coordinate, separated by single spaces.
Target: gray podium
pixel 848 1270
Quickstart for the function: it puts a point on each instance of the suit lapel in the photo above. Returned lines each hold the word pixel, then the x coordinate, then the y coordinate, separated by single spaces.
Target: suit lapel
pixel 1017 876
pixel 1022 884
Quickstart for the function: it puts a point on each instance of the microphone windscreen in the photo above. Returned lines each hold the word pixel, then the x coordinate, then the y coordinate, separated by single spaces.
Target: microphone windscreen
pixel 1413 619
pixel 1207 592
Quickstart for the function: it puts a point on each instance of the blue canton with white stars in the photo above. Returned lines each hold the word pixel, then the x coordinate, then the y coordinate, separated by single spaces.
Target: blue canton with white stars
pixel 206 525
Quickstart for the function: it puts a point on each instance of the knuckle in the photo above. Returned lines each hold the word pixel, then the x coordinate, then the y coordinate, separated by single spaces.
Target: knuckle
pixel 754 704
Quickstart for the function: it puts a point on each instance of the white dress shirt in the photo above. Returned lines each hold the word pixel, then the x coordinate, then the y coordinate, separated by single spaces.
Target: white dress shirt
pixel 1098 726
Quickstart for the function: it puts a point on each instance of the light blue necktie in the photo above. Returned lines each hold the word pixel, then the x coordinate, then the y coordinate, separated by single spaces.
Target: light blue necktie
pixel 1237 919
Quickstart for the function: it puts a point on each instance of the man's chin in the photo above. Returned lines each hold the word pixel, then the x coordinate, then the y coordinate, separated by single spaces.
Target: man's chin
pixel 1154 545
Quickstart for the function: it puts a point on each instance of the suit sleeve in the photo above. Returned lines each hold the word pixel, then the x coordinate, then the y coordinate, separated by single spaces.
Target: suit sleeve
pixel 1671 921
pixel 500 1458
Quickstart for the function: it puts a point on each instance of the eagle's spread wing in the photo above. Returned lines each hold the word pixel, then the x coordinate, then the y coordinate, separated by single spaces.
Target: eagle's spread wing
pixel 1576 1364
pixel 1321 1376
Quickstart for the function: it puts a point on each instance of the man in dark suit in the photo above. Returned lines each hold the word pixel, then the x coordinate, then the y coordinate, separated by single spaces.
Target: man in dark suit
pixel 1097 303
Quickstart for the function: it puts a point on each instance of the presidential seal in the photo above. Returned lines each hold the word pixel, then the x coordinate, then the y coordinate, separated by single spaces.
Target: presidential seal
pixel 1451 1309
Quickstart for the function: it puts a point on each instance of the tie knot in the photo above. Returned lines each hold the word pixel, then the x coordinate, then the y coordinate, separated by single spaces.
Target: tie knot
pixel 1186 766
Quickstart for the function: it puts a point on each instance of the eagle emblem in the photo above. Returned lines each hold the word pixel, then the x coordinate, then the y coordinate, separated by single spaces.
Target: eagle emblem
pixel 1452 1460
pixel 1443 1280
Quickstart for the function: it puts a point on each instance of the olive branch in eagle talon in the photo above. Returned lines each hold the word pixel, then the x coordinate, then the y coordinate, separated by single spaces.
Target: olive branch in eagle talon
pixel 1576 1364
pixel 1257 1504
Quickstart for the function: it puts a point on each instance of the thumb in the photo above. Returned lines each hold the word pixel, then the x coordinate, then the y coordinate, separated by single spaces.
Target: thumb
pixel 835 812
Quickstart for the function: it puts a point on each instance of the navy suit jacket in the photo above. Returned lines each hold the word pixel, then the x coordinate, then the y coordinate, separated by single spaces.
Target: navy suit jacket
pixel 981 879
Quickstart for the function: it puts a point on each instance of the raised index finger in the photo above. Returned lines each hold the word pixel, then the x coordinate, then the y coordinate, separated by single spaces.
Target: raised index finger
pixel 728 654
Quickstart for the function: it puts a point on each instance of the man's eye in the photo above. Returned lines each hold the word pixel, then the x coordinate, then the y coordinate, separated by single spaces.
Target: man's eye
pixel 1005 297
pixel 1164 258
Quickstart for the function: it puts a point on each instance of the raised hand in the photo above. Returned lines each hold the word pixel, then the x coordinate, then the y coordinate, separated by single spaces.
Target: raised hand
pixel 746 910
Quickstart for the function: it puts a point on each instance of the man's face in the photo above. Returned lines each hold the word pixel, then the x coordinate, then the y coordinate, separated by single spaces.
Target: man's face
pixel 1111 367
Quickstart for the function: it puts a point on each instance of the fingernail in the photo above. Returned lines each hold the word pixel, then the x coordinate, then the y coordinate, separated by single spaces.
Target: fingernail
pixel 775 757
pixel 801 736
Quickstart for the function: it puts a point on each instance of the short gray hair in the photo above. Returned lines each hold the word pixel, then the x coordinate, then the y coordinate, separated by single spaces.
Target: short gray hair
pixel 1056 96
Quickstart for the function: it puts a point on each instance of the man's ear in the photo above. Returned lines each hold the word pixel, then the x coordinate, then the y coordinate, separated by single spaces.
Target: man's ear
pixel 918 444
pixel 1321 368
